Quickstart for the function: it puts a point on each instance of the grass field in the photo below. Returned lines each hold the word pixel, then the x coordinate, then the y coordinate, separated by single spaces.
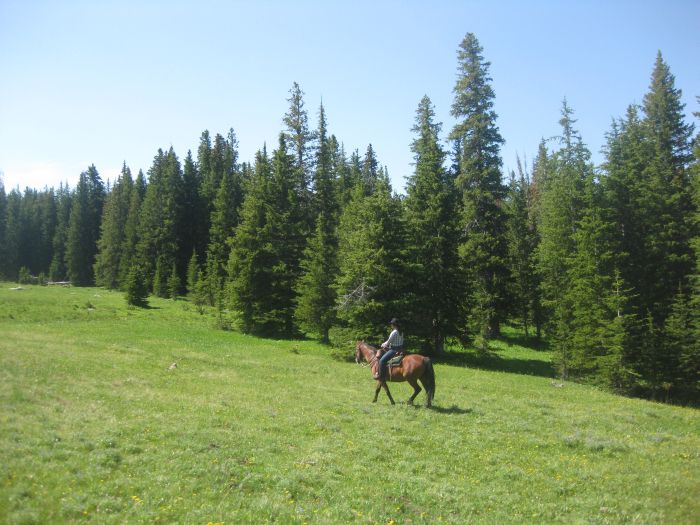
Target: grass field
pixel 98 426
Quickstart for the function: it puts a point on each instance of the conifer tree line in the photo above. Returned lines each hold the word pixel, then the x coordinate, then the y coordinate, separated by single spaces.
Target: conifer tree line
pixel 600 262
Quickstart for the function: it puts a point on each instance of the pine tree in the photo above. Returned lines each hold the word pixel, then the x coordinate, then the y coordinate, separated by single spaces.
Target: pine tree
pixel 264 264
pixel 668 182
pixel 83 230
pixel 112 228
pixel 224 219
pixel 522 245
pixel 158 222
pixel 300 139
pixel 194 226
pixel 433 309
pixel 561 201
pixel 136 287
pixel 649 188
pixel 4 273
pixel 484 247
pixel 58 270
pixel 193 271
pixel 690 353
pixel 591 271
pixel 46 215
pixel 343 173
pixel 315 293
pixel 251 260
pixel 174 284
pixel 13 234
pixel 370 284
pixel 315 303
pixel 131 229
pixel 370 174
pixel 208 186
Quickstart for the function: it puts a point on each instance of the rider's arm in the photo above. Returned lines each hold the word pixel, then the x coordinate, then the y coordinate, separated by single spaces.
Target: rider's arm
pixel 392 336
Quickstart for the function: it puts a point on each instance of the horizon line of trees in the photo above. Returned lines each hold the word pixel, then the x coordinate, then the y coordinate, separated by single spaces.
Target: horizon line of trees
pixel 601 262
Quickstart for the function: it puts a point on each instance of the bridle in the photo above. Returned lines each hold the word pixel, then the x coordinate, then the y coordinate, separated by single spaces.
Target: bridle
pixel 369 363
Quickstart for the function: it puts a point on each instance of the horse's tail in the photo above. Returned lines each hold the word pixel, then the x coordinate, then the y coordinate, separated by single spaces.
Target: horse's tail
pixel 429 380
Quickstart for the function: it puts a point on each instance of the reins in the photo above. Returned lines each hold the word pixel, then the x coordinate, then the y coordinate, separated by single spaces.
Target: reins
pixel 370 363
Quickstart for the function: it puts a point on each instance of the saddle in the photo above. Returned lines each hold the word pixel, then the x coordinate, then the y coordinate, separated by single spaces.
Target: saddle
pixel 396 360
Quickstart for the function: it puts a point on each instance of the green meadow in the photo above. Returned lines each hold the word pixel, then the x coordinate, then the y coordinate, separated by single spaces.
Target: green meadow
pixel 118 415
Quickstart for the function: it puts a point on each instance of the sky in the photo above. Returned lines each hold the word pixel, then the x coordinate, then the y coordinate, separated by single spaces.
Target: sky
pixel 106 83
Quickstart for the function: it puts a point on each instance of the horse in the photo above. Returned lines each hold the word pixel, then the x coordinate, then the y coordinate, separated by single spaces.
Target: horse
pixel 413 368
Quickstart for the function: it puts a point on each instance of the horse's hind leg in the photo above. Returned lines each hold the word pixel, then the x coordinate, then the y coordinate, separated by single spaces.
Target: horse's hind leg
pixel 416 390
pixel 428 394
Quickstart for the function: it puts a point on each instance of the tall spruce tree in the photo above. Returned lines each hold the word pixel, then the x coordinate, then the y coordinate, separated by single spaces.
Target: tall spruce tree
pixel 158 222
pixel 33 221
pixel 434 298
pixel 301 142
pixel 648 184
pixel 251 257
pixel 561 203
pixel 112 228
pixel 668 181
pixel 299 138
pixel 341 169
pixel 595 290
pixel 690 356
pixel 58 270
pixel 370 173
pixel 315 304
pixel 522 244
pixel 370 286
pixel 224 215
pixel 4 273
pixel 129 250
pixel 13 233
pixel 84 227
pixel 48 221
pixel 484 247
pixel 264 263
pixel 194 232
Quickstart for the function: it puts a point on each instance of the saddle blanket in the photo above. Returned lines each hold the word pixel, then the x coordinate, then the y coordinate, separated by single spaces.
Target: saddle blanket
pixel 396 360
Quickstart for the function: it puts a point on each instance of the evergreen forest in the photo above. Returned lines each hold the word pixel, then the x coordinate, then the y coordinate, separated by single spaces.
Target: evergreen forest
pixel 600 263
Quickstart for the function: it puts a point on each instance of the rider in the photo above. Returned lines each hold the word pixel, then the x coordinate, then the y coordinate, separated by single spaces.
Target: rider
pixel 393 345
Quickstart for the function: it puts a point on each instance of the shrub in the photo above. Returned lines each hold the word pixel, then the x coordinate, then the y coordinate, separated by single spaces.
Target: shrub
pixel 25 277
pixel 137 288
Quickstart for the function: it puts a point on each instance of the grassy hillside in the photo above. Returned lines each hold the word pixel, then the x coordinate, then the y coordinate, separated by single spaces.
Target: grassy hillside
pixel 111 415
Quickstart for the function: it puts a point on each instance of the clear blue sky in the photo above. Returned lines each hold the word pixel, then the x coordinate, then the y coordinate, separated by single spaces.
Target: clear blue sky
pixel 85 82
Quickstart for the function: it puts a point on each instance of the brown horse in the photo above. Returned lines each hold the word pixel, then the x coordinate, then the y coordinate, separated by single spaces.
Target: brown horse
pixel 413 368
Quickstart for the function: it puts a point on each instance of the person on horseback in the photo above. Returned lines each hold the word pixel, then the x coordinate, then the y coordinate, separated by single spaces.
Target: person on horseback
pixel 393 346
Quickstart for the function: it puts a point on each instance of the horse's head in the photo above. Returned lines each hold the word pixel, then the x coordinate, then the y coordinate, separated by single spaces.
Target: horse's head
pixel 358 352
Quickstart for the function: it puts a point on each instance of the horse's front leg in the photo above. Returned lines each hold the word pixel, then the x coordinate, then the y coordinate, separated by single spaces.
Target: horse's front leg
pixel 386 388
pixel 376 392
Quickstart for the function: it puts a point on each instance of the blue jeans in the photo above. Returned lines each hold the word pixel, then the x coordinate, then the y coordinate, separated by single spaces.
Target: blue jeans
pixel 383 361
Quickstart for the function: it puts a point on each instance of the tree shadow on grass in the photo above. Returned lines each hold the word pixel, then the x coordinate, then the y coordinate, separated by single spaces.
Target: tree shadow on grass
pixel 497 363
pixel 520 339
pixel 142 306
pixel 454 409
